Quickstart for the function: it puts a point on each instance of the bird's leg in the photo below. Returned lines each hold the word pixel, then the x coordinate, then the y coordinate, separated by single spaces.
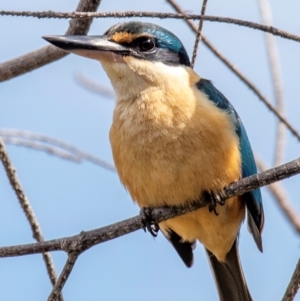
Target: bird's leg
pixel 145 214
pixel 213 198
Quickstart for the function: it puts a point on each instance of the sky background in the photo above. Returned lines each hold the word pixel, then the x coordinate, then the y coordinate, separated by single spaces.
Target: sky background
pixel 68 197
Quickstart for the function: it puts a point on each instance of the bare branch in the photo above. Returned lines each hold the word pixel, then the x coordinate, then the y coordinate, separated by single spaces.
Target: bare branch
pixel 237 72
pixel 281 198
pixel 273 55
pixel 92 86
pixel 294 285
pixel 16 185
pixel 131 14
pixel 29 62
pixel 198 35
pixel 42 147
pixel 48 54
pixel 28 210
pixel 13 133
pixel 85 240
pixel 64 275
pixel 28 139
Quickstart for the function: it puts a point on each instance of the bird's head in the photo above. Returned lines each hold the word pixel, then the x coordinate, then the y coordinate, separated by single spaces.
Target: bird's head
pixel 131 52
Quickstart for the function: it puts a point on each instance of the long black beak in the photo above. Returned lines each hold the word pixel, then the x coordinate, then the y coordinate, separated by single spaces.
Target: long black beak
pixel 94 47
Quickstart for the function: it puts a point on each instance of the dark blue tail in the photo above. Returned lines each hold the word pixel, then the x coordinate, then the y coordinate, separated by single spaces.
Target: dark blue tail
pixel 229 276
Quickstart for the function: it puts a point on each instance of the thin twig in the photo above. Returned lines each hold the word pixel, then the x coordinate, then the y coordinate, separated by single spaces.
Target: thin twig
pixel 294 285
pixel 92 86
pixel 237 72
pixel 48 54
pixel 198 35
pixel 64 275
pixel 86 240
pixel 28 139
pixel 131 14
pixel 28 210
pixel 274 63
pixel 44 148
pixel 282 199
pixel 13 133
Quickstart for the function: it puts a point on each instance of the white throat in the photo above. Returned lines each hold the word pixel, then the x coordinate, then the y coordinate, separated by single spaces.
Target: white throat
pixel 131 78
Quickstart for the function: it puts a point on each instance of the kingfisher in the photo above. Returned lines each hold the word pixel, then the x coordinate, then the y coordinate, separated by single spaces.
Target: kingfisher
pixel 176 139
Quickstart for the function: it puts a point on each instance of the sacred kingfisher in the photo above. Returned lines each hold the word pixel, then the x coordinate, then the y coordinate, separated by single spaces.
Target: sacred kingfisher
pixel 175 139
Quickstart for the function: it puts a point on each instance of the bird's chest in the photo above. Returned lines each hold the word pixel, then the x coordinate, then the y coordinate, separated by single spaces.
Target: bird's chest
pixel 166 152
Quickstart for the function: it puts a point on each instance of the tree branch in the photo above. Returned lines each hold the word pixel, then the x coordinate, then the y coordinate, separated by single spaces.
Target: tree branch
pixel 32 140
pixel 237 72
pixel 281 198
pixel 294 285
pixel 93 86
pixel 274 63
pixel 131 14
pixel 64 275
pixel 198 35
pixel 44 148
pixel 48 54
pixel 28 210
pixel 85 240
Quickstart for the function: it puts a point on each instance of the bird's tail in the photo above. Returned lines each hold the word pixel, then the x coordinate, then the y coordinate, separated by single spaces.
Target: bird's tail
pixel 229 276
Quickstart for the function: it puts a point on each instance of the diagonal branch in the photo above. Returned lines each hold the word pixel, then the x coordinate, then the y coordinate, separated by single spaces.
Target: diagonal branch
pixel 63 277
pixel 273 55
pixel 42 147
pixel 85 240
pixel 294 285
pixel 281 198
pixel 28 210
pixel 93 86
pixel 198 35
pixel 238 73
pixel 32 140
pixel 48 54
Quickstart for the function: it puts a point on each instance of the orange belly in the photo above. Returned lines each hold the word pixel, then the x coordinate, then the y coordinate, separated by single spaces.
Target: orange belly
pixel 168 153
pixel 216 232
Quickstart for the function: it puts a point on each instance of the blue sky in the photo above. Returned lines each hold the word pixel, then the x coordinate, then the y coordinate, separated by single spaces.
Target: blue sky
pixel 68 198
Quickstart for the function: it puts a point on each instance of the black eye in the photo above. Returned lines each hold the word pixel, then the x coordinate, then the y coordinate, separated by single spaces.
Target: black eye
pixel 146 44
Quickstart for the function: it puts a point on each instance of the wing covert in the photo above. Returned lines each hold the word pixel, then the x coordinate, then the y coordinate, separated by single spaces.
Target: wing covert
pixel 253 199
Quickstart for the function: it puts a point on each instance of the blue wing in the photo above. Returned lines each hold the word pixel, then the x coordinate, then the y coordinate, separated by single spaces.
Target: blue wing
pixel 253 199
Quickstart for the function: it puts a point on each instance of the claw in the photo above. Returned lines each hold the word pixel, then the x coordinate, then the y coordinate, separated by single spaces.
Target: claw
pixel 214 198
pixel 212 207
pixel 147 221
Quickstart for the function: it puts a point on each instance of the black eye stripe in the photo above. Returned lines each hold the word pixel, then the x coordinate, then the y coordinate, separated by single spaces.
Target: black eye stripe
pixel 142 44
pixel 148 47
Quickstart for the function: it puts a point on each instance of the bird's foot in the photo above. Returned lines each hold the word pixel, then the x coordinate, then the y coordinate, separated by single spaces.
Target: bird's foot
pixel 214 198
pixel 153 228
